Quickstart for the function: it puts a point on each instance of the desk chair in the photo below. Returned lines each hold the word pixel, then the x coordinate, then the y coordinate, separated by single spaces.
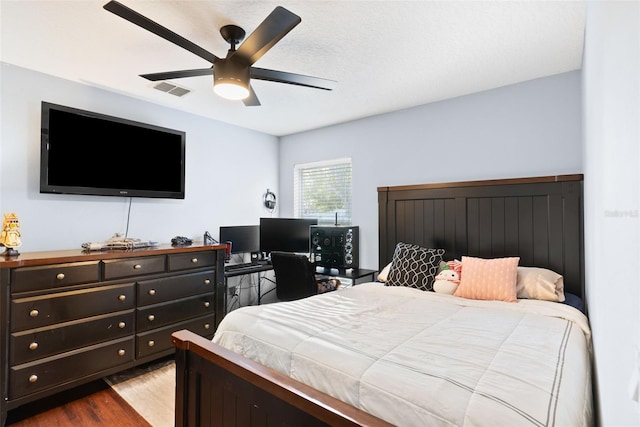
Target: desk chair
pixel 295 276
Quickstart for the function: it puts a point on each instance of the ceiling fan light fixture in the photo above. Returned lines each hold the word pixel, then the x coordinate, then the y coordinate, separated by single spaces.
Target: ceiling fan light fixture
pixel 231 80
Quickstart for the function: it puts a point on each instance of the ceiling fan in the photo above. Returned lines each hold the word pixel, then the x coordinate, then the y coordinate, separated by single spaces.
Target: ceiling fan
pixel 232 74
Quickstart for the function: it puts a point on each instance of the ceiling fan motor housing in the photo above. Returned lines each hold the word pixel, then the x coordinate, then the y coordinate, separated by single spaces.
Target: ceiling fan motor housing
pixel 229 72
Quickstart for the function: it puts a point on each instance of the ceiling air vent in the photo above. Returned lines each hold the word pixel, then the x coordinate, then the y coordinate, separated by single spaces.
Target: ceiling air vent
pixel 171 88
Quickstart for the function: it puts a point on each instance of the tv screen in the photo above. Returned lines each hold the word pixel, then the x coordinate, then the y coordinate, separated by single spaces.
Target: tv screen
pixel 285 234
pixel 243 238
pixel 84 152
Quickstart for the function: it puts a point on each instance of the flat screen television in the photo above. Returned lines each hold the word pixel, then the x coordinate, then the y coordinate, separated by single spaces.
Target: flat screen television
pixel 285 234
pixel 84 152
pixel 243 238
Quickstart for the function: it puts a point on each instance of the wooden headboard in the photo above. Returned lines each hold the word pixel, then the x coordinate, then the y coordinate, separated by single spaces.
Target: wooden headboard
pixel 538 219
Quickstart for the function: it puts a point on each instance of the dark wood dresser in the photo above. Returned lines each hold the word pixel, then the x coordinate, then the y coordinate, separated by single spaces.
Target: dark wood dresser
pixel 70 317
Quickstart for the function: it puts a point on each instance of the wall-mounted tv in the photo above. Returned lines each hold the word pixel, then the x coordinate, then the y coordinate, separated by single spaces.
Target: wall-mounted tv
pixel 84 152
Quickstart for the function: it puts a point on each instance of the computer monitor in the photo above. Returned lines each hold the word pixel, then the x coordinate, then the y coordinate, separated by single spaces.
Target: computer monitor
pixel 285 234
pixel 243 238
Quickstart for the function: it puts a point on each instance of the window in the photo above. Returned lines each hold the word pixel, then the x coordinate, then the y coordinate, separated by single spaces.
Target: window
pixel 322 190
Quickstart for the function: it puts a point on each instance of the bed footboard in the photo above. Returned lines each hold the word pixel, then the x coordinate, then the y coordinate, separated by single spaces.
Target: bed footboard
pixel 216 387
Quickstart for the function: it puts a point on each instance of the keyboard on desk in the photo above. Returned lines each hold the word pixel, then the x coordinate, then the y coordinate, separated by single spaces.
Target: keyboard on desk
pixel 233 267
pixel 248 266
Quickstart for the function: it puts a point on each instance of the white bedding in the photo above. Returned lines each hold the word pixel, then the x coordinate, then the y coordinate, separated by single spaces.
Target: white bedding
pixel 418 358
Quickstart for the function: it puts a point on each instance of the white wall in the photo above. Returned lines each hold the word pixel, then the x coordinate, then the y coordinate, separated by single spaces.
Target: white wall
pixel 528 129
pixel 611 73
pixel 228 170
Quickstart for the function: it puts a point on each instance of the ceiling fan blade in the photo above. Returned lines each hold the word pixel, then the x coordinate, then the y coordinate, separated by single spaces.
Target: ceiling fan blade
pixel 291 78
pixel 252 99
pixel 144 22
pixel 269 32
pixel 167 75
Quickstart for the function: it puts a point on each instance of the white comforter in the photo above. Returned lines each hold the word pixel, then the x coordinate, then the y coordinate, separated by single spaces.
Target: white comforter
pixel 418 358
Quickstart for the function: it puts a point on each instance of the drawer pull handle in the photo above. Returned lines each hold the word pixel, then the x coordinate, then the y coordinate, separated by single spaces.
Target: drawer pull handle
pixel 207 281
pixel 121 352
pixel 151 317
pixel 207 326
pixel 194 260
pixel 207 304
pixel 151 343
pixel 152 292
pixel 122 297
pixel 34 313
pixel 121 325
pixel 33 346
pixel 33 378
pixel 137 267
pixel 60 276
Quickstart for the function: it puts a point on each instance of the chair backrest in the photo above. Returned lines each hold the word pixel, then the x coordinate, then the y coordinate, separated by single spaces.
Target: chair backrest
pixel 295 276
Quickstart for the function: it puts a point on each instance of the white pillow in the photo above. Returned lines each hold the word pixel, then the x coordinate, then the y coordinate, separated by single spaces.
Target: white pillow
pixel 539 283
pixel 382 277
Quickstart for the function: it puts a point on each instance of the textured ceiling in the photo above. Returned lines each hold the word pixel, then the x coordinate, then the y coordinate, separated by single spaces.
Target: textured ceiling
pixel 384 55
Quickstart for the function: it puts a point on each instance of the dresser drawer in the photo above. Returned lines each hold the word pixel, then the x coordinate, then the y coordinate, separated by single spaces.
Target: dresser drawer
pixel 170 288
pixel 29 378
pixel 191 260
pixel 159 340
pixel 44 310
pixel 162 314
pixel 131 267
pixel 25 279
pixel 43 342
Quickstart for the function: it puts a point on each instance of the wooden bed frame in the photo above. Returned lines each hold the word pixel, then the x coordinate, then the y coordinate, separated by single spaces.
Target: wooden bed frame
pixel 539 219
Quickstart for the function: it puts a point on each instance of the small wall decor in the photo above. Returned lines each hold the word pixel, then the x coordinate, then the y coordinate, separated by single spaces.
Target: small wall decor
pixel 10 234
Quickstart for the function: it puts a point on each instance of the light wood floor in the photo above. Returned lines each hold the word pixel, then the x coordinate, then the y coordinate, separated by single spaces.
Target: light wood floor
pixel 91 405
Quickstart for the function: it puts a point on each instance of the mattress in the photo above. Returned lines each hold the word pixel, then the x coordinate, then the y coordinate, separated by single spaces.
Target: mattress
pixel 418 358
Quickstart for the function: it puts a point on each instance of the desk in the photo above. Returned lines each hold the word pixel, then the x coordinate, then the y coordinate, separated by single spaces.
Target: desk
pixel 353 274
pixel 231 271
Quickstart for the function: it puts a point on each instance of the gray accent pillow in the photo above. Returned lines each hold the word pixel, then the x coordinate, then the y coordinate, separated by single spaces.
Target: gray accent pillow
pixel 414 266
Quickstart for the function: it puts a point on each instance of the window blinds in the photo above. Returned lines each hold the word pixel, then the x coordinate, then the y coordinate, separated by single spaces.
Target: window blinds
pixel 323 190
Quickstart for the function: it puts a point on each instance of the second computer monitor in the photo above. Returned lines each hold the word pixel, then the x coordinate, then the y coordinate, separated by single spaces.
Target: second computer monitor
pixel 243 238
pixel 285 234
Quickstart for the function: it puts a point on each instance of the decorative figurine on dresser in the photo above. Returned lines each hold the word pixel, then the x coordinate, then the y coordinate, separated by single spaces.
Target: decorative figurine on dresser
pixel 10 234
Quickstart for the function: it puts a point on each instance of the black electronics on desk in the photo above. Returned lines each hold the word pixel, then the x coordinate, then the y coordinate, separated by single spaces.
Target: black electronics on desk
pixel 244 238
pixel 240 239
pixel 285 234
pixel 335 246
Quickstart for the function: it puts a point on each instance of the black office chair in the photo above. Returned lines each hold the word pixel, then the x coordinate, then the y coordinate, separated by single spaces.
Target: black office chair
pixel 295 276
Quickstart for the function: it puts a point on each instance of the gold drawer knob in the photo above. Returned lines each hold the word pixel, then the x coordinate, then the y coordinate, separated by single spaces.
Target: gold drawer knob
pixel 33 378
pixel 151 343
pixel 207 281
pixel 137 267
pixel 122 297
pixel 33 346
pixel 60 276
pixel 121 325
pixel 34 313
pixel 151 317
pixel 207 304
pixel 152 292
pixel 194 260
pixel 207 326
pixel 121 352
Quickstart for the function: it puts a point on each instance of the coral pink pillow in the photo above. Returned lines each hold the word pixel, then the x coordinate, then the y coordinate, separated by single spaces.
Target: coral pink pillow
pixel 488 279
